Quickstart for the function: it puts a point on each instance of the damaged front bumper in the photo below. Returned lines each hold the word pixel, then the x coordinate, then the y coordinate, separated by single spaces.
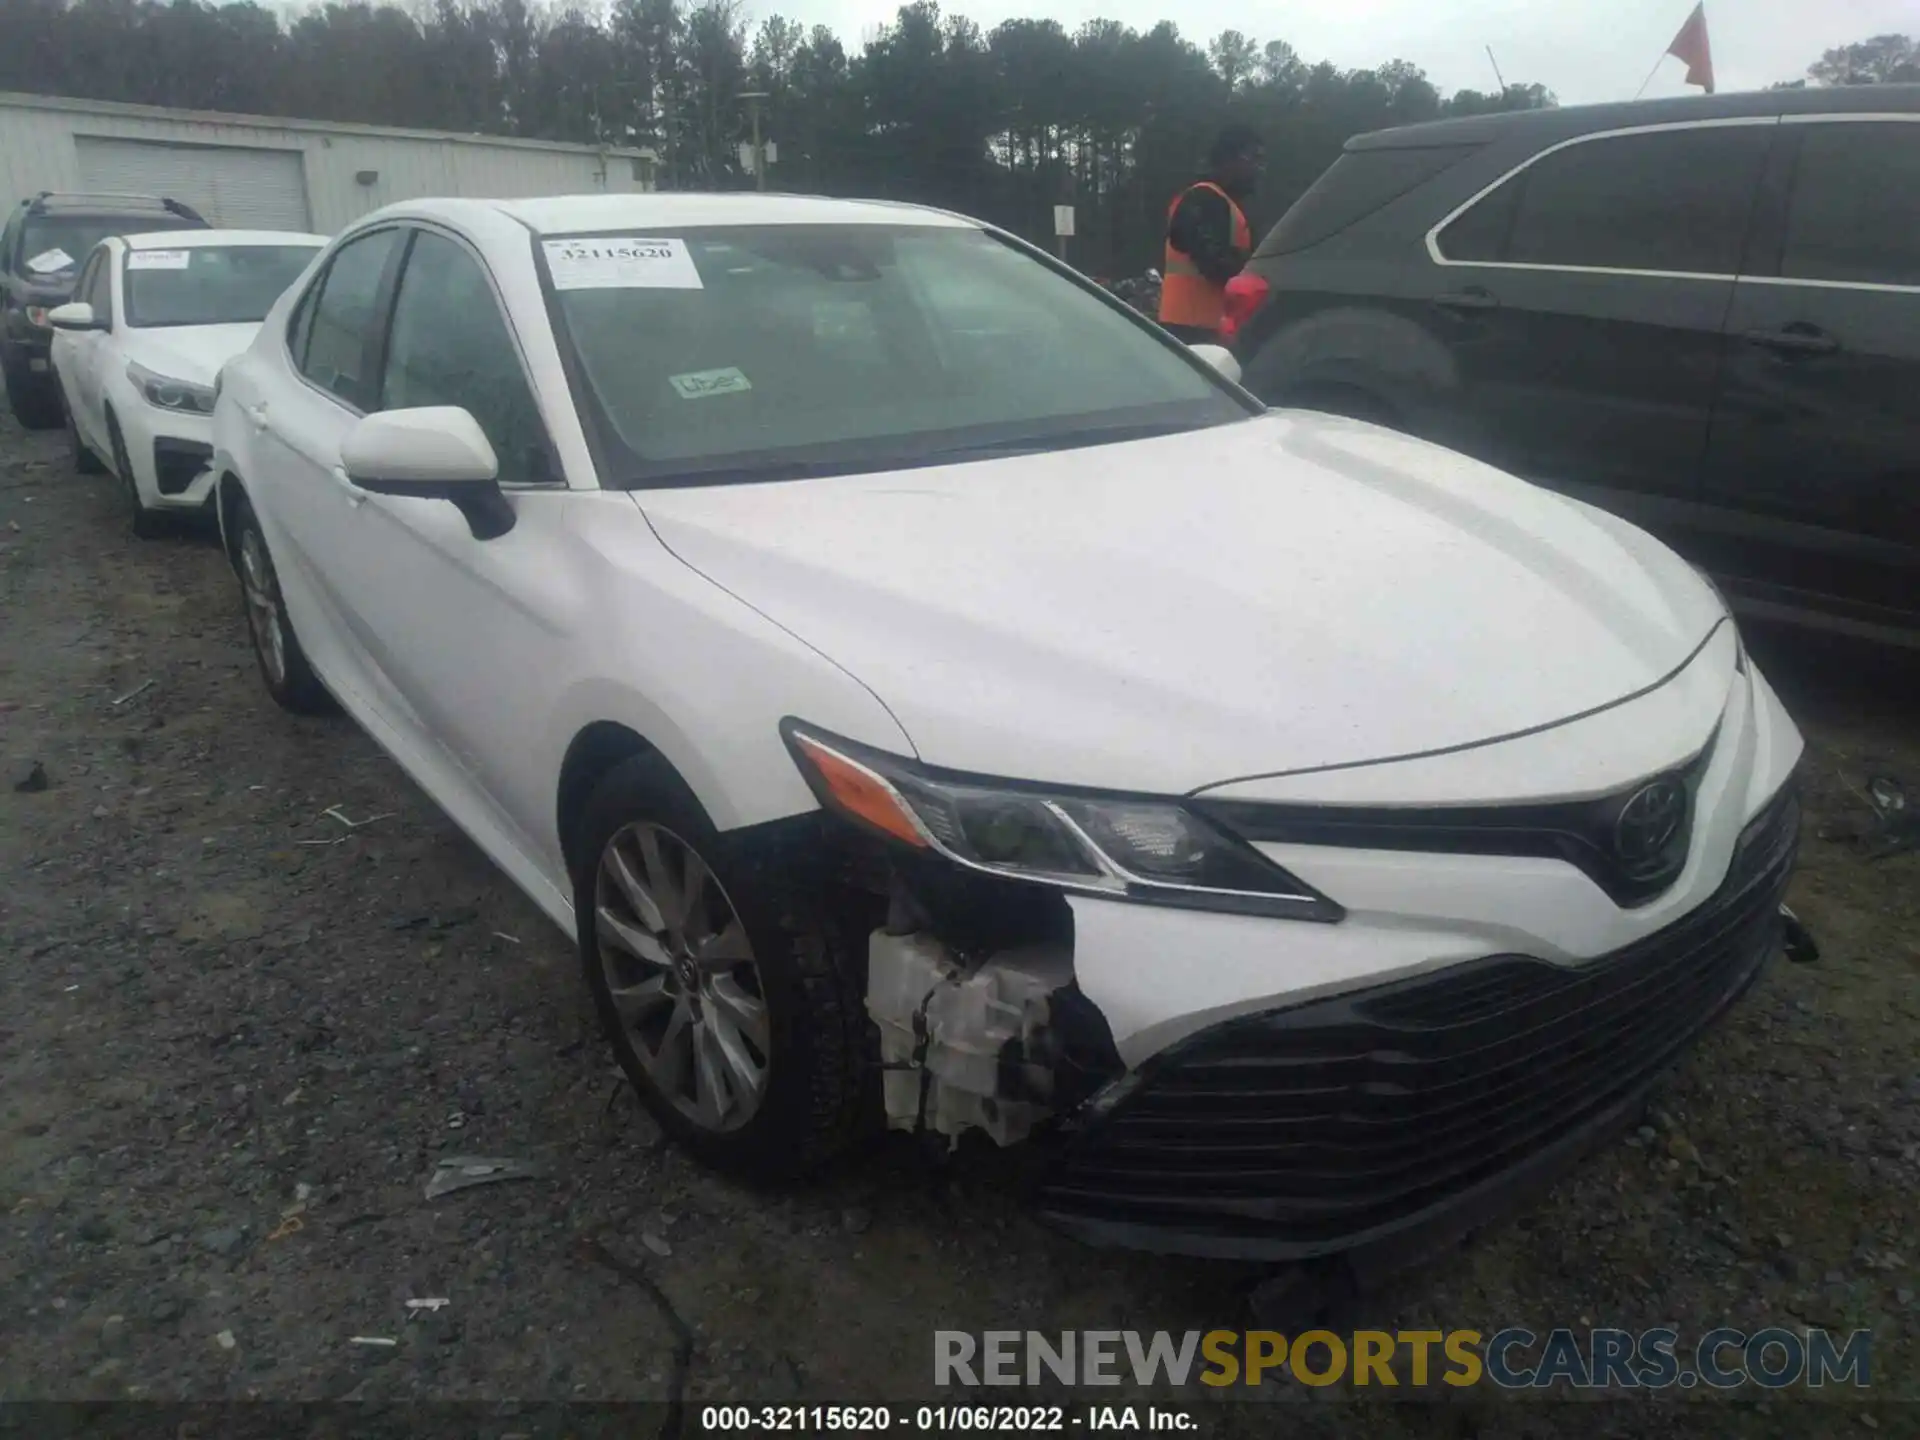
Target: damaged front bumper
pixel 1373 1123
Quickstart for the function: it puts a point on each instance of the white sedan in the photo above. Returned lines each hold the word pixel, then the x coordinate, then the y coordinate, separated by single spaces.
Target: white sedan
pixel 922 687
pixel 153 319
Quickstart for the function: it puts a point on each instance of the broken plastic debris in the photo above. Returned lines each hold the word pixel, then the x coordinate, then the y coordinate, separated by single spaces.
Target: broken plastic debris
pixel 140 689
pixel 381 1341
pixel 225 1340
pixel 463 1171
pixel 436 1302
pixel 654 1243
pixel 335 812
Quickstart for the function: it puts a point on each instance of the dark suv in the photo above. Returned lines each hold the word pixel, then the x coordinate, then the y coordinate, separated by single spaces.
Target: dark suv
pixel 1701 313
pixel 41 249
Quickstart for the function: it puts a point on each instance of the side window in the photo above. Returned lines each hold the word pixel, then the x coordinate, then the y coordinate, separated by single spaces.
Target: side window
pixel 343 317
pixel 1672 200
pixel 300 323
pixel 7 237
pixel 450 346
pixel 1481 233
pixel 1855 212
pixel 96 286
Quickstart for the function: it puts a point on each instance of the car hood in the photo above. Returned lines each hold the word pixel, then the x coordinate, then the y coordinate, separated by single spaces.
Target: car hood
pixel 193 353
pixel 1292 592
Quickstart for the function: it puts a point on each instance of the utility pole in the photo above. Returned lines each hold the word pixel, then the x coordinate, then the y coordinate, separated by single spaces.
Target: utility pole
pixel 753 99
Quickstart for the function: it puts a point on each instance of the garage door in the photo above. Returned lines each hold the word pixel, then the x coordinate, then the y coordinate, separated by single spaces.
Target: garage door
pixel 235 189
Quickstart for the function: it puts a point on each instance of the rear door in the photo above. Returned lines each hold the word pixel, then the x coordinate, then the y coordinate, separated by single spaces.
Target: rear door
pixel 1814 470
pixel 1583 297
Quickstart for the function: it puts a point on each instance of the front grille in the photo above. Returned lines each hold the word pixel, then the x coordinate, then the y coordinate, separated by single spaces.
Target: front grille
pixel 1585 833
pixel 1323 1127
pixel 178 463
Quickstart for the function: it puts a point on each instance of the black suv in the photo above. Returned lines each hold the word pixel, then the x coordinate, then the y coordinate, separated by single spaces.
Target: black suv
pixel 41 249
pixel 1703 314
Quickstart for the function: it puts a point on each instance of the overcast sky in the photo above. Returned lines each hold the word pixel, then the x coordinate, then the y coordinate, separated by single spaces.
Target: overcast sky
pixel 1582 50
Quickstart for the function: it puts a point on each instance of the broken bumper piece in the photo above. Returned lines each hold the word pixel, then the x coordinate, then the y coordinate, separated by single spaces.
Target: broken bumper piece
pixel 1379 1123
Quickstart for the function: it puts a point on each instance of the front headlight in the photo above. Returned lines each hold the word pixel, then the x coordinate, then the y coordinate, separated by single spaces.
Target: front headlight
pixel 1146 849
pixel 168 393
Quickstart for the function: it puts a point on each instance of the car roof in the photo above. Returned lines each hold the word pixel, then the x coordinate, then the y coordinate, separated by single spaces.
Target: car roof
pixel 1566 121
pixel 590 214
pixel 192 239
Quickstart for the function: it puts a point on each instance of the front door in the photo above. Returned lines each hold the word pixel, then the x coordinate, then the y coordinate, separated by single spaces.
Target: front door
pixel 1583 300
pixel 463 630
pixel 1815 462
pixel 299 431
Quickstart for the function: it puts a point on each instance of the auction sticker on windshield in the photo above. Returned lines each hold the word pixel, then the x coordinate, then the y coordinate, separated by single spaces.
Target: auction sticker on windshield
pixel 48 261
pixel 700 383
pixel 159 259
pixel 633 263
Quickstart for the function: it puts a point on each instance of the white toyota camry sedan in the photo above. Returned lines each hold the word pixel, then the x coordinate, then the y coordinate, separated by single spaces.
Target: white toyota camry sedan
pixel 926 691
pixel 153 319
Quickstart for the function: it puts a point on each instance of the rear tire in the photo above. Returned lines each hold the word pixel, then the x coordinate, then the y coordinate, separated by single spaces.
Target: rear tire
pixel 284 668
pixel 146 524
pixel 34 399
pixel 805 1021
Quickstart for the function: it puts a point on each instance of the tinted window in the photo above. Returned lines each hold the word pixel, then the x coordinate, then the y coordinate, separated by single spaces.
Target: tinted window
pixel 850 347
pixel 1674 200
pixel 1359 183
pixel 1855 213
pixel 96 284
pixel 1481 232
pixel 343 316
pixel 48 238
pixel 450 346
pixel 209 284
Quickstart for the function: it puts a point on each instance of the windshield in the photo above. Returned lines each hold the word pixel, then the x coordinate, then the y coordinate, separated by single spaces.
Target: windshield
pixel 52 246
pixel 755 352
pixel 210 284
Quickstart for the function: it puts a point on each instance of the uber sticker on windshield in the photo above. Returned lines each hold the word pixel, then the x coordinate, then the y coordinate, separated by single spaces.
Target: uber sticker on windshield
pixel 159 259
pixel 702 383
pixel 48 261
pixel 625 263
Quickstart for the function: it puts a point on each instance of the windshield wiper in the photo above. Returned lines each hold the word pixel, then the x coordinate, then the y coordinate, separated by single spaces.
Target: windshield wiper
pixel 1062 440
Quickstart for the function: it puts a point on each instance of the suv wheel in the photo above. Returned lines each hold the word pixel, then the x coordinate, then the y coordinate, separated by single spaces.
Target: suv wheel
pixel 727 1007
pixel 146 523
pixel 283 664
pixel 34 399
pixel 85 462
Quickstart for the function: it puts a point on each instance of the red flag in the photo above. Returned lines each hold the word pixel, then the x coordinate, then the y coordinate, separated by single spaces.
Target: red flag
pixel 1691 46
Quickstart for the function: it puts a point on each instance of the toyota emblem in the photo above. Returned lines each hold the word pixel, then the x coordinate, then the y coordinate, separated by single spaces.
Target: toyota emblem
pixel 1647 824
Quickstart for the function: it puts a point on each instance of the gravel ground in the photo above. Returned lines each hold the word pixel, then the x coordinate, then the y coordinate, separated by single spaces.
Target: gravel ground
pixel 236 1036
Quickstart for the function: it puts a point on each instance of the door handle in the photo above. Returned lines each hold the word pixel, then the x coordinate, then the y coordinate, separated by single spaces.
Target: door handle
pixel 1473 298
pixel 1794 340
pixel 258 415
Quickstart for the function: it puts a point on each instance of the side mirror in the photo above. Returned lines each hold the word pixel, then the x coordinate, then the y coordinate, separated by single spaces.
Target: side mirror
pixel 437 452
pixel 1220 358
pixel 74 315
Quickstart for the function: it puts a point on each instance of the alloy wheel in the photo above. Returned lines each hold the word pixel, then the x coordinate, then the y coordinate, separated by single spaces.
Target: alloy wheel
pixel 681 973
pixel 263 605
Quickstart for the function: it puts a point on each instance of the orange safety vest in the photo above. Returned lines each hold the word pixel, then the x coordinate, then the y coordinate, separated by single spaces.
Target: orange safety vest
pixel 1186 296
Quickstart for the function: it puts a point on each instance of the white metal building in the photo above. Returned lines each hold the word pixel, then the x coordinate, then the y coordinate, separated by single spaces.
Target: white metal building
pixel 252 171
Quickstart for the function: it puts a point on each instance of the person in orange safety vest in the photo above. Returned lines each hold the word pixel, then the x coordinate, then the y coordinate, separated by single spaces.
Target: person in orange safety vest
pixel 1208 239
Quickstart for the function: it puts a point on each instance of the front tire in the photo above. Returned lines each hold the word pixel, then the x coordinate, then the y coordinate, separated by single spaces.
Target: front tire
pixel 34 399
pixel 284 668
pixel 716 980
pixel 85 462
pixel 146 524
